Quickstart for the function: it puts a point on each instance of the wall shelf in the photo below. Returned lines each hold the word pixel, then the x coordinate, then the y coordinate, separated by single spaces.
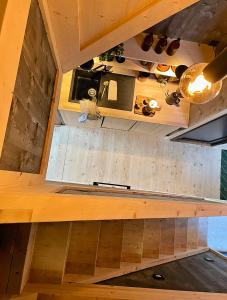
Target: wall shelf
pixel 188 54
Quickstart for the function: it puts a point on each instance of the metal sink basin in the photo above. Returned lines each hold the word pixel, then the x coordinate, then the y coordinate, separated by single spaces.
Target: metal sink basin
pixel 83 81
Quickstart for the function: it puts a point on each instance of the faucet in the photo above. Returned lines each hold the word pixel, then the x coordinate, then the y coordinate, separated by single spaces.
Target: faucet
pixel 106 69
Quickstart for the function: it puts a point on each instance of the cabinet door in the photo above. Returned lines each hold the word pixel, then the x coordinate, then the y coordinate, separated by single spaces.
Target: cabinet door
pixel 119 124
pixel 153 128
pixel 71 118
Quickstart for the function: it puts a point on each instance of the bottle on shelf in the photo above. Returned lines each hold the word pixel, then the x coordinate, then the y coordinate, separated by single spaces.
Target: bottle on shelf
pixel 143 76
pixel 173 46
pixel 161 45
pixel 147 64
pixel 147 42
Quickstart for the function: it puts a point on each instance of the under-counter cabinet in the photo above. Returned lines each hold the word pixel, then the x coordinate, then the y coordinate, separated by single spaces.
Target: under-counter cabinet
pixel 118 124
pixel 71 118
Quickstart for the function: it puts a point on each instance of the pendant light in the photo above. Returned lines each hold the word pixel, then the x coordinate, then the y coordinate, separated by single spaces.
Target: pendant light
pixel 195 88
pixel 202 82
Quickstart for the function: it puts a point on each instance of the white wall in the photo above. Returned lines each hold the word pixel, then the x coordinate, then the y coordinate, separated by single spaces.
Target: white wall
pixel 217 233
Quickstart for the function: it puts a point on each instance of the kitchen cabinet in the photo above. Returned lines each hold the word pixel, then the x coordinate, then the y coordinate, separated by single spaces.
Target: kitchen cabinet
pixel 70 118
pixel 153 129
pixel 119 124
pixel 169 115
pixel 188 54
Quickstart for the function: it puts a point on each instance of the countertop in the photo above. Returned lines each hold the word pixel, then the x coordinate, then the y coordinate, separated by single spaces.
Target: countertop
pixel 169 115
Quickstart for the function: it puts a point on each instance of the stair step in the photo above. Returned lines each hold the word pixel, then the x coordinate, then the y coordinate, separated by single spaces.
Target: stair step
pixel 180 239
pixel 90 251
pixel 132 246
pixel 50 250
pixel 83 247
pixel 192 233
pixel 110 244
pixel 126 268
pixel 167 237
pixel 151 239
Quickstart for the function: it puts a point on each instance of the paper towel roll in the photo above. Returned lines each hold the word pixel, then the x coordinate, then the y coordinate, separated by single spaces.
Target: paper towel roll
pixel 112 90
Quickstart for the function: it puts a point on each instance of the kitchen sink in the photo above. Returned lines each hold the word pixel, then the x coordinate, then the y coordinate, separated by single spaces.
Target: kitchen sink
pixel 81 83
pixel 84 80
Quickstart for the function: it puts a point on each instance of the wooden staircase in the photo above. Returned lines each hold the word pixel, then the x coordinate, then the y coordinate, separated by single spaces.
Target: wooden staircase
pixel 92 251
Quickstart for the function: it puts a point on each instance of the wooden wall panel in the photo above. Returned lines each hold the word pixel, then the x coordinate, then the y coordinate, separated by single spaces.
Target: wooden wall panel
pixel 8 234
pixel 110 244
pixel 83 247
pixel 11 40
pixel 202 232
pixel 13 247
pixel 167 237
pixel 180 240
pixel 29 255
pixel 152 235
pixel 51 246
pixel 19 256
pixel 132 247
pixel 32 98
pixel 192 242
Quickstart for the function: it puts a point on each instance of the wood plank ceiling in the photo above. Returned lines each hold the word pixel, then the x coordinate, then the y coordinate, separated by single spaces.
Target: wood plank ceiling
pixel 203 22
pixel 82 29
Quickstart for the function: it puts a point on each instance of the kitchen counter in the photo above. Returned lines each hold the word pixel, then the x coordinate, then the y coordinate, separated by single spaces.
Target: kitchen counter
pixel 168 115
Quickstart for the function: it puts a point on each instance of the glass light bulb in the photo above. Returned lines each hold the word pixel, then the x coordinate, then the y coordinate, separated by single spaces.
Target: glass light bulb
pixel 199 85
pixel 195 88
pixel 153 104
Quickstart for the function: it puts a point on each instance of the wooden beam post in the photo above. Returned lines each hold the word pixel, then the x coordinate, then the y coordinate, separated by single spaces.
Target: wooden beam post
pixel 90 291
pixel 45 204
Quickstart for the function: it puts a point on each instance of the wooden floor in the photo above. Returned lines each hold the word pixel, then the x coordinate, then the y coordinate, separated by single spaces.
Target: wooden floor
pixel 143 161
